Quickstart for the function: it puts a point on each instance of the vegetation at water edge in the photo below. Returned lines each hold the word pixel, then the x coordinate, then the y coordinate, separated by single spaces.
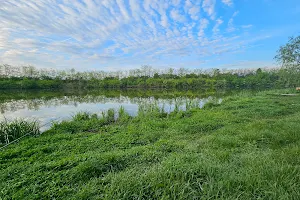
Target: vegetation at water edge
pixel 148 77
pixel 247 147
pixel 12 130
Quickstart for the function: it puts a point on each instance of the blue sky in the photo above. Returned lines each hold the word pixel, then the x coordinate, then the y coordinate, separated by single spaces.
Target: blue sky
pixel 125 34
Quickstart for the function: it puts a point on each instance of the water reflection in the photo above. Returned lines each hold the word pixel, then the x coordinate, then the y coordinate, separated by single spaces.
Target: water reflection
pixel 59 105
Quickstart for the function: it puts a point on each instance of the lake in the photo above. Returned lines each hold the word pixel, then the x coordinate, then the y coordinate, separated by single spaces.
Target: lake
pixel 48 106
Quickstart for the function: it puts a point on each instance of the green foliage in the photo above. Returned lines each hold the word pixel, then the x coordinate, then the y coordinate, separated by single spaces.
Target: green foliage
pixel 123 116
pixel 168 80
pixel 245 148
pixel 82 116
pixel 109 115
pixel 10 131
pixel 289 54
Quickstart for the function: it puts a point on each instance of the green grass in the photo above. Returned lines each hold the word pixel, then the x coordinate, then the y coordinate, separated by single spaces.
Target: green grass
pixel 12 130
pixel 248 147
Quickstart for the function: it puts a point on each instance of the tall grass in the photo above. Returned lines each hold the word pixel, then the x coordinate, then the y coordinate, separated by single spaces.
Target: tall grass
pixel 92 122
pixel 109 116
pixel 10 131
pixel 246 148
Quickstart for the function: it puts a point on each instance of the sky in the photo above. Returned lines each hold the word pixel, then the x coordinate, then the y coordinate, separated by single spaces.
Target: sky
pixel 126 34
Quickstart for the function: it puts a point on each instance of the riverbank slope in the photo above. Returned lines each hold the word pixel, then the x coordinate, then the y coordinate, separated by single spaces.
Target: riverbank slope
pixel 248 147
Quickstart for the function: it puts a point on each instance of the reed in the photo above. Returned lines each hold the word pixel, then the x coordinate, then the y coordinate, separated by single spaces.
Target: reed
pixel 12 130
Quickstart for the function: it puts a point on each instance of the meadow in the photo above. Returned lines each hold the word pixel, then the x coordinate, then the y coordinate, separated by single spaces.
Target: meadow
pixel 247 147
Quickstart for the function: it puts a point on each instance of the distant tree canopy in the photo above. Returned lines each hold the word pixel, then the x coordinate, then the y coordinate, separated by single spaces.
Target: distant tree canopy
pixel 28 77
pixel 289 54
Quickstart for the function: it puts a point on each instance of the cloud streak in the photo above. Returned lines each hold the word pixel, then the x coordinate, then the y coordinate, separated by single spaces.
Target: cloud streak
pixel 113 32
pixel 228 2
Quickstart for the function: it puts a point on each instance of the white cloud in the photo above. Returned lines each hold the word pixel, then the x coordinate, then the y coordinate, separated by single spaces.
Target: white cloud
pixel 4 35
pixel 235 13
pixel 194 12
pixel 227 2
pixel 177 16
pixel 176 2
pixel 164 20
pixel 123 9
pixel 134 8
pixel 247 26
pixel 27 43
pixel 74 33
pixel 209 7
pixel 230 25
pixel 203 25
pixel 216 29
pixel 12 53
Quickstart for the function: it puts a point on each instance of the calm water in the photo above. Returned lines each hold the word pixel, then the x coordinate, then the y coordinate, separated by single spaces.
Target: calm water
pixel 47 106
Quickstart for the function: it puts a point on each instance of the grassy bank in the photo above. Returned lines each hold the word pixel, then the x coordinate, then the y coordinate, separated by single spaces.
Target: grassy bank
pixel 246 148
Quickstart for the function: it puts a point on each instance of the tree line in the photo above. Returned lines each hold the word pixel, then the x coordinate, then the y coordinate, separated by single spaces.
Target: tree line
pixel 33 78
pixel 288 75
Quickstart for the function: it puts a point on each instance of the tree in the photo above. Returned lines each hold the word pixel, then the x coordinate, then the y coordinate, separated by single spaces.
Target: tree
pixel 259 71
pixel 289 54
pixel 216 72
